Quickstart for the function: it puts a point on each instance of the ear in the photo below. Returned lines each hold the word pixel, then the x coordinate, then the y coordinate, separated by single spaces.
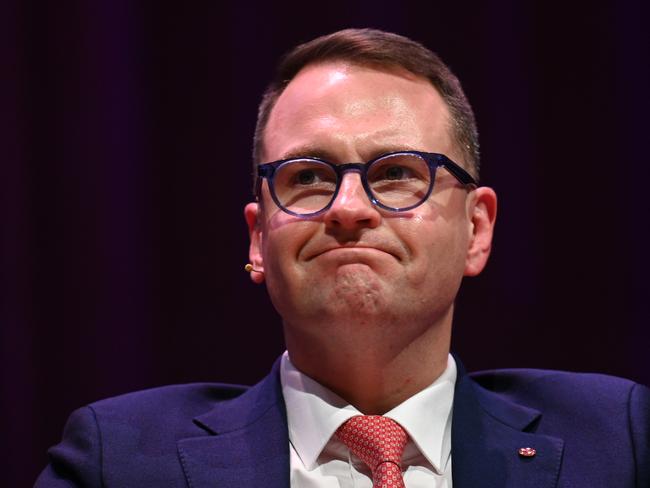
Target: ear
pixel 253 219
pixel 482 213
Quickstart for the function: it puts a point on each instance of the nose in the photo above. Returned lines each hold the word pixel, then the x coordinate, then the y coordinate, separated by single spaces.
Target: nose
pixel 352 209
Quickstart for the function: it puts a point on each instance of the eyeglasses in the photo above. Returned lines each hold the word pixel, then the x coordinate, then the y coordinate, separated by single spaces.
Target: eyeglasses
pixel 396 181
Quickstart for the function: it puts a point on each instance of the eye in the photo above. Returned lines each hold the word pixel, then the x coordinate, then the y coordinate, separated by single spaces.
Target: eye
pixel 395 173
pixel 306 177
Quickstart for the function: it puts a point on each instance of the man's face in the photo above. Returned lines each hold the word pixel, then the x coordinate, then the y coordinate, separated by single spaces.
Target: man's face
pixel 356 263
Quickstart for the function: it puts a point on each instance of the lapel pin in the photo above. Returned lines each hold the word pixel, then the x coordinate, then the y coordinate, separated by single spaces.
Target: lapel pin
pixel 527 452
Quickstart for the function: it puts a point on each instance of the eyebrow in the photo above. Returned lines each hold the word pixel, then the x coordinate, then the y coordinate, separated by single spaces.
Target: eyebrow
pixel 309 152
pixel 321 153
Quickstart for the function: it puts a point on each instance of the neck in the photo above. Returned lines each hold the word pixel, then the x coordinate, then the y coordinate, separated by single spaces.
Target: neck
pixel 368 366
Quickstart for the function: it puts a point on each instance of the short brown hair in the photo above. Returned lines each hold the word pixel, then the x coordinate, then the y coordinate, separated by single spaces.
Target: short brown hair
pixel 380 49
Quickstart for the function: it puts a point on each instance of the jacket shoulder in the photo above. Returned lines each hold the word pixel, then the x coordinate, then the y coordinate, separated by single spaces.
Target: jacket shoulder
pixel 130 440
pixel 190 399
pixel 542 386
pixel 504 380
pixel 567 394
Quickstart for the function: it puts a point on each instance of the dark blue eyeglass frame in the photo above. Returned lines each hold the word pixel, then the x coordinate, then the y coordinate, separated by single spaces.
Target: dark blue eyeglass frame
pixel 433 160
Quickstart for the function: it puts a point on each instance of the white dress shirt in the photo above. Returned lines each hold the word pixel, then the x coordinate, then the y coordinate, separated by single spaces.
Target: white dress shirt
pixel 318 459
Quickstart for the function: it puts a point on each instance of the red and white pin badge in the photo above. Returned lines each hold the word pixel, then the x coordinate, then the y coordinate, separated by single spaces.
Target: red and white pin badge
pixel 527 451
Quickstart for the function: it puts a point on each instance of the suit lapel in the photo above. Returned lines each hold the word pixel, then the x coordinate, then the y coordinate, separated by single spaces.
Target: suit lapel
pixel 487 433
pixel 249 445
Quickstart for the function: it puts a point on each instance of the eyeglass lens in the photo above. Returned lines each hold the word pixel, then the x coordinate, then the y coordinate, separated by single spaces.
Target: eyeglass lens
pixel 306 186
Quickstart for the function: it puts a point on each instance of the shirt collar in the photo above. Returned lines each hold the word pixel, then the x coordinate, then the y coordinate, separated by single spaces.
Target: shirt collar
pixel 315 412
pixel 426 416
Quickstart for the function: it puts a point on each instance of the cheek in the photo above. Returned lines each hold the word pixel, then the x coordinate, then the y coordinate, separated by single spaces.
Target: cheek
pixel 285 277
pixel 437 249
pixel 284 239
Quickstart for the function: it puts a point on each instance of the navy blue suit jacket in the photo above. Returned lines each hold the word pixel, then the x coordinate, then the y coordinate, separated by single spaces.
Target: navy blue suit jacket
pixel 588 431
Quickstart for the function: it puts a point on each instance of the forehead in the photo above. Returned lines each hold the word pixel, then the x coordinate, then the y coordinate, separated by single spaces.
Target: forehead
pixel 348 109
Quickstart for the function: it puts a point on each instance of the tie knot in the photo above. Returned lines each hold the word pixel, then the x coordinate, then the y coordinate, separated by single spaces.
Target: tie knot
pixel 374 439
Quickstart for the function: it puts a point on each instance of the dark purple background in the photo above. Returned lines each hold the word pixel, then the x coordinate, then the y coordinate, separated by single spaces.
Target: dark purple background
pixel 126 134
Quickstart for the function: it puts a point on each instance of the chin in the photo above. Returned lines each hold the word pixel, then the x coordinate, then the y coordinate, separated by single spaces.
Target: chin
pixel 357 294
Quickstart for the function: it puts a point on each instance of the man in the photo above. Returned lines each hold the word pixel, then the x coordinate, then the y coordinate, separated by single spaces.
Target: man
pixel 367 218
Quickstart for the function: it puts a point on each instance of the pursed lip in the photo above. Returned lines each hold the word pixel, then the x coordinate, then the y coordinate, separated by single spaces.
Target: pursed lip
pixel 352 248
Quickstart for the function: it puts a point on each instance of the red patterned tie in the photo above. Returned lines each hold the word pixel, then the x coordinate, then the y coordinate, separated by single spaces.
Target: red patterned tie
pixel 379 442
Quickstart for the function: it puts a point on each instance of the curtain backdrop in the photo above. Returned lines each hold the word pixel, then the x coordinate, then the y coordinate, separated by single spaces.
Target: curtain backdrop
pixel 126 139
